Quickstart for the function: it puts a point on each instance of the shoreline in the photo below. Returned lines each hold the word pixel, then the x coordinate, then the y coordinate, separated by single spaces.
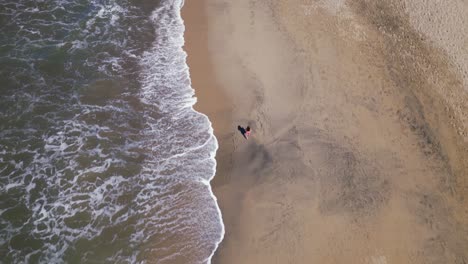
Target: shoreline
pixel 211 100
pixel 347 162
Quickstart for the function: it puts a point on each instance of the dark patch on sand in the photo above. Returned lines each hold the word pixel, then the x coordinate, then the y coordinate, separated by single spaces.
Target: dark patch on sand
pixel 258 156
pixel 421 71
pixel 412 117
pixel 350 184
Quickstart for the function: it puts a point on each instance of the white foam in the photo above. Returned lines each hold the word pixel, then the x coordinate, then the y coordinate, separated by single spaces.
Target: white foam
pixel 212 156
pixel 11 185
pixel 68 175
pixel 166 66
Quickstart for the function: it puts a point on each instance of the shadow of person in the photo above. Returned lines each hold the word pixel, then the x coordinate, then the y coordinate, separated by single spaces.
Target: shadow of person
pixel 242 130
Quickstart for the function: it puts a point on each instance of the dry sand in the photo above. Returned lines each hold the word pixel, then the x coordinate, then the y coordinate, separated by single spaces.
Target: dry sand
pixel 359 115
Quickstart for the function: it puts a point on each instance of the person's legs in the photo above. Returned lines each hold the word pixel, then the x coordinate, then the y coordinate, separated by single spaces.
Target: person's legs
pixel 242 130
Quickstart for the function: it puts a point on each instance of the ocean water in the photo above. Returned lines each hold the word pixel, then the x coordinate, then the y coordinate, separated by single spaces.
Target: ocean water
pixel 102 157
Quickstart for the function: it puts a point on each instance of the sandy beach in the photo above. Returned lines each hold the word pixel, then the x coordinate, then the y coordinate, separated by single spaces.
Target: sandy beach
pixel 359 111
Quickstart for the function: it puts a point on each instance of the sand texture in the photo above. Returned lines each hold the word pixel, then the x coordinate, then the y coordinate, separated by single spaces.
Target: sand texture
pixel 359 112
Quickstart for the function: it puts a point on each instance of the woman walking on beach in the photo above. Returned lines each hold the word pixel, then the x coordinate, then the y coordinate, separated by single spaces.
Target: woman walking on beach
pixel 244 131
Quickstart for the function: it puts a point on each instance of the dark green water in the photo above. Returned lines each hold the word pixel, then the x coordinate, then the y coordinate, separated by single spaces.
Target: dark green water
pixel 102 158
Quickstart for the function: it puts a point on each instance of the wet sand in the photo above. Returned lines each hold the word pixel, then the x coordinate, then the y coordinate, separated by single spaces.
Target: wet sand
pixel 359 116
